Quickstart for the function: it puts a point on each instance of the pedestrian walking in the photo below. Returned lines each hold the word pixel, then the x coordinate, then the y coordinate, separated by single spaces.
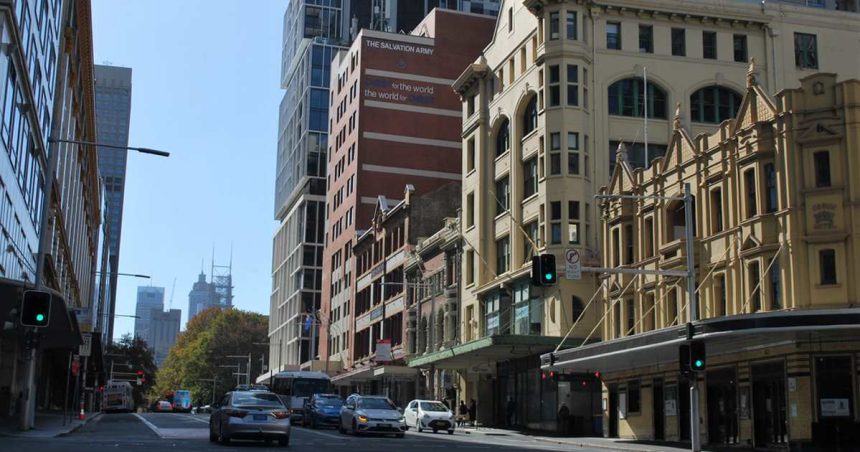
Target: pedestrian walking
pixel 464 411
pixel 473 412
pixel 511 410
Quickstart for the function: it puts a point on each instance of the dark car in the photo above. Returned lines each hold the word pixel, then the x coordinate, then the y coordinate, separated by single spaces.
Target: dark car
pixel 250 415
pixel 323 410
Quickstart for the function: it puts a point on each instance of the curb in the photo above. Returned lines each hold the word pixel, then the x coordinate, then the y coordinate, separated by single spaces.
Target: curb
pixel 80 424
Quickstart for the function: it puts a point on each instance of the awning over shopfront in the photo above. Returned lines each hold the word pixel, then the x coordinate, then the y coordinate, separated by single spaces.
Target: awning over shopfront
pixel 724 335
pixel 481 355
pixel 375 373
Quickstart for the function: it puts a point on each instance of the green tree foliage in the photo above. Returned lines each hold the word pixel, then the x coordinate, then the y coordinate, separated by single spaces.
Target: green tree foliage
pixel 136 353
pixel 202 349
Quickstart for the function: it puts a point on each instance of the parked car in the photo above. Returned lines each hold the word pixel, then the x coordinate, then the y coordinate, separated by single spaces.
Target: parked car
pixel 163 406
pixel 256 415
pixel 202 409
pixel 429 414
pixel 371 414
pixel 323 410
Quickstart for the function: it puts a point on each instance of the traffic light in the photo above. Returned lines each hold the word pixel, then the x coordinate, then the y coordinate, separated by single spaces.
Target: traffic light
pixel 698 359
pixel 543 270
pixel 140 378
pixel 684 359
pixel 36 308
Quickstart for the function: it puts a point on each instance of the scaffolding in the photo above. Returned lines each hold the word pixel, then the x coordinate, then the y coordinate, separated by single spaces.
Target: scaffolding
pixel 222 283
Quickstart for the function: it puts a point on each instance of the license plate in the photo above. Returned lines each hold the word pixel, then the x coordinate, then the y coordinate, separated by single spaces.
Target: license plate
pixel 260 417
pixel 384 425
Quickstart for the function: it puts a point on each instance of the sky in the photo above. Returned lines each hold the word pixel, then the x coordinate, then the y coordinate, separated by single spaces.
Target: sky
pixel 206 88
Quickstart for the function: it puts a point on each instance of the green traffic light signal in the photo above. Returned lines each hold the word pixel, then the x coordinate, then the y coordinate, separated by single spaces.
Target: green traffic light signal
pixel 40 317
pixel 36 308
pixel 547 276
pixel 699 364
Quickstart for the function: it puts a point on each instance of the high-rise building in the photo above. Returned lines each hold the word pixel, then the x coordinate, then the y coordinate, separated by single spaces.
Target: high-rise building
pixel 113 113
pixel 312 34
pixel 46 71
pixel 395 122
pixel 200 296
pixel 149 299
pixel 217 293
pixel 560 86
pixel 163 329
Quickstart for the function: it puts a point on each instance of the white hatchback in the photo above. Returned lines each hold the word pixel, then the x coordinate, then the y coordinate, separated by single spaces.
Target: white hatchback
pixel 429 415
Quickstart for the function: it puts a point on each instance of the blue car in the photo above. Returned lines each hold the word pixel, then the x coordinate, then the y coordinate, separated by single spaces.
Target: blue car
pixel 323 410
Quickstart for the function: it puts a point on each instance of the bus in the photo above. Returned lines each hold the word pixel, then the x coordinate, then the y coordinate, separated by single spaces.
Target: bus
pixel 117 397
pixel 296 387
pixel 182 401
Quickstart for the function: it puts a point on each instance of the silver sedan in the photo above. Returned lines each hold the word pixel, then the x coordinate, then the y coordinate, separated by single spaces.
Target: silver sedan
pixel 254 415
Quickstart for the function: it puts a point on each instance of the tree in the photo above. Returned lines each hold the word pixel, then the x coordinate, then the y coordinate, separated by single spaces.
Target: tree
pixel 202 348
pixel 128 356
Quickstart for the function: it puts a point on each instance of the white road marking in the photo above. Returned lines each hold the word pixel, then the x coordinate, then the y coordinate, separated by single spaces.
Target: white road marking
pixel 149 424
pixel 194 417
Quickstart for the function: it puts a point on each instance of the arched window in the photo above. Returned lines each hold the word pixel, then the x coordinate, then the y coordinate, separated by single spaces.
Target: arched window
pixel 503 138
pixel 714 104
pixel 530 116
pixel 627 98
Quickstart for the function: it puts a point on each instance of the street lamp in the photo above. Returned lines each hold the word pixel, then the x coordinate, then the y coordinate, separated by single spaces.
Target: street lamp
pixel 133 275
pixel 28 412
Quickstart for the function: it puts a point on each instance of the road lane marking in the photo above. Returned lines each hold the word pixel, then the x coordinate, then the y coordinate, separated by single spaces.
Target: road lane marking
pixel 195 418
pixel 149 424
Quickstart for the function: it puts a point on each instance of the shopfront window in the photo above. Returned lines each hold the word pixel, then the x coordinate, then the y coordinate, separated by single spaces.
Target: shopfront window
pixel 528 311
pixel 491 314
pixel 834 387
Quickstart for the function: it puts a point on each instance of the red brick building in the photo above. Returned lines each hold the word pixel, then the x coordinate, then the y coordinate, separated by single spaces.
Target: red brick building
pixel 394 121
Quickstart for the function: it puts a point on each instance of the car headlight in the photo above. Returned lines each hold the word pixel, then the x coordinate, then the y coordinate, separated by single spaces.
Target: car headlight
pixel 362 419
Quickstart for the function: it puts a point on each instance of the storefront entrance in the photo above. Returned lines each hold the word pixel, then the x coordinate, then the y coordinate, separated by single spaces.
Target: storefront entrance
pixel 769 417
pixel 722 407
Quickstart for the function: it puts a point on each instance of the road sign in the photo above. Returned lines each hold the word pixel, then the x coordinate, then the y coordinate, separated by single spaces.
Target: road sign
pixel 572 264
pixel 86 348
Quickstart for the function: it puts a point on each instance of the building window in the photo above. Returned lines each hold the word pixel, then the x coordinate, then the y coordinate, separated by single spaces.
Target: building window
pixel 530 116
pixel 554 153
pixel 834 388
pixel 821 160
pixel 754 284
pixel 553 25
pixel 470 107
pixel 554 86
pixel 646 39
pixel 827 266
pixel 572 153
pixel 636 155
pixel 503 138
pixel 770 201
pixel 510 19
pixel 571 25
pixel 555 224
pixel 577 307
pixel 749 186
pixel 740 45
pixel 572 85
pixel 613 35
pixel 627 98
pixel 631 318
pixel 492 308
pixel 805 51
pixel 523 59
pixel 503 195
pixel 530 177
pixel 775 286
pixel 648 236
pixel 714 104
pixel 470 210
pixel 717 210
pixel 470 154
pixel 616 247
pixel 709 45
pixel 532 230
pixel 720 301
pixel 503 255
pixel 633 398
pixel 470 267
pixel 573 222
pixel 679 42
pixel 628 244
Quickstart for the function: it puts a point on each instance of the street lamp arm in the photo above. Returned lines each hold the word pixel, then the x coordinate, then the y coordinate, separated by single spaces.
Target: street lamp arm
pixel 134 275
pixel 112 146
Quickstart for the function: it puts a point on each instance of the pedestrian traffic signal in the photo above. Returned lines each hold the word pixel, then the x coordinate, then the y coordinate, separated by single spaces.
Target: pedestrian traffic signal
pixel 698 359
pixel 36 308
pixel 543 270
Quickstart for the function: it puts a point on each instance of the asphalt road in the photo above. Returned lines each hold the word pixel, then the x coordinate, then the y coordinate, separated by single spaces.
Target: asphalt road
pixel 189 432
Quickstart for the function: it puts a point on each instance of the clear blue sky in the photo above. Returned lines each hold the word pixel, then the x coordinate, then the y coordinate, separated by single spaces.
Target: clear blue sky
pixel 205 88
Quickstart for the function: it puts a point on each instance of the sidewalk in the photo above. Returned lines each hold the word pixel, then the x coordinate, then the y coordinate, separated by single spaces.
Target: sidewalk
pixel 598 443
pixel 48 425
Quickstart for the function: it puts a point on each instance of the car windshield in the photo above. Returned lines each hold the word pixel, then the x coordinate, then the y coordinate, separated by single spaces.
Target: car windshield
pixel 376 404
pixel 306 387
pixel 433 406
pixel 257 399
pixel 329 402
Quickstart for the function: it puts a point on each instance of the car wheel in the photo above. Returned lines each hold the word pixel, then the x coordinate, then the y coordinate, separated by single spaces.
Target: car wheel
pixel 450 432
pixel 435 431
pixel 418 426
pixel 355 428
pixel 212 436
pixel 340 428
pixel 284 442
pixel 314 424
pixel 221 437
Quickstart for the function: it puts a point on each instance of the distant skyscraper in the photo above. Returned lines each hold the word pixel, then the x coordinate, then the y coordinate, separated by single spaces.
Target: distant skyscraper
pixel 200 297
pixel 163 331
pixel 113 113
pixel 149 299
pixel 218 292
